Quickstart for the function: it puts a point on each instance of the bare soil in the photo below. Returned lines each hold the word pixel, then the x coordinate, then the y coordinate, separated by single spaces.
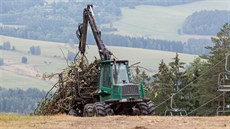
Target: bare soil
pixel 113 122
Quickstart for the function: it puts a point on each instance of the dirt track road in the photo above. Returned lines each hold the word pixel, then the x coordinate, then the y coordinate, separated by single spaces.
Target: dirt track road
pixel 113 122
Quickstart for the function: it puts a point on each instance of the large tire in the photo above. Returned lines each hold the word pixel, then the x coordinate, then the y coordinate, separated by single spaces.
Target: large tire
pixel 88 110
pixel 143 108
pixel 150 108
pixel 109 110
pixel 99 109
pixel 72 112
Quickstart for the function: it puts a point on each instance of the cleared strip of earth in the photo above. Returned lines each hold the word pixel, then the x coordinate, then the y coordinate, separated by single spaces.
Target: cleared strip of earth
pixel 14 121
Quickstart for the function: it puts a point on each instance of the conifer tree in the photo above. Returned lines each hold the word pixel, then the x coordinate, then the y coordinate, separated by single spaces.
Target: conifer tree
pixel 215 65
pixel 162 87
pixel 191 94
pixel 176 68
pixel 139 76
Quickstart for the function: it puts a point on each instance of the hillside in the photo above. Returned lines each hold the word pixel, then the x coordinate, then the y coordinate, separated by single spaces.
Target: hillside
pixel 163 22
pixel 146 24
pixel 11 121
pixel 15 74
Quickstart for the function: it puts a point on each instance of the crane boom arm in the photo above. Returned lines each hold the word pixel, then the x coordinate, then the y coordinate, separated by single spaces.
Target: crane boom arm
pixel 88 17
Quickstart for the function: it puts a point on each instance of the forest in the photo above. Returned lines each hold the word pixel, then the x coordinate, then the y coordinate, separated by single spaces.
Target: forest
pixel 22 22
pixel 196 83
pixel 20 101
pixel 205 22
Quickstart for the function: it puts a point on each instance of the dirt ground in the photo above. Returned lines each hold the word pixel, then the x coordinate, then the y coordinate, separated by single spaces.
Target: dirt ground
pixel 113 122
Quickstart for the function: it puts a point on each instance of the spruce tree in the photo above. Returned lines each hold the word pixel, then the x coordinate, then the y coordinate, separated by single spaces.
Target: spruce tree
pixel 215 65
pixel 176 68
pixel 163 87
pixel 190 79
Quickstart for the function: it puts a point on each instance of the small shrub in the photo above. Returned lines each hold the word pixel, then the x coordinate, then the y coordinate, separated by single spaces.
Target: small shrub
pixel 1 61
pixel 6 45
pixel 13 48
pixel 35 50
pixel 24 60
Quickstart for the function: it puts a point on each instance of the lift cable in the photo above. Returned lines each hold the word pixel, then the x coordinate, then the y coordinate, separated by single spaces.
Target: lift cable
pixel 190 83
pixel 206 103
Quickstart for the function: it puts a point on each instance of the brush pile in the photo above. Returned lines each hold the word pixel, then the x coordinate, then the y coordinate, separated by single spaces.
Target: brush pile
pixel 76 86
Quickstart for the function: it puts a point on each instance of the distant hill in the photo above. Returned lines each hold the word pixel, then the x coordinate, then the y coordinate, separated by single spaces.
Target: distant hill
pixel 151 24
pixel 161 22
pixel 16 74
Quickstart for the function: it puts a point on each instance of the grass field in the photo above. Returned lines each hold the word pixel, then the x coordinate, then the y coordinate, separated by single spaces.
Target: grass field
pixel 162 22
pixel 15 74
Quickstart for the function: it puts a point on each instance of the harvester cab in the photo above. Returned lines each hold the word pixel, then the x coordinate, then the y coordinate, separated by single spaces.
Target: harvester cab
pixel 115 82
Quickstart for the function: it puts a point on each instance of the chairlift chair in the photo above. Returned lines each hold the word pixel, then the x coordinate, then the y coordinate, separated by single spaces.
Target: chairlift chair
pixel 224 86
pixel 224 82
pixel 175 111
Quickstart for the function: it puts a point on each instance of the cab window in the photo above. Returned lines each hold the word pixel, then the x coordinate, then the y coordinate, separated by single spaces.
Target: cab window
pixel 105 75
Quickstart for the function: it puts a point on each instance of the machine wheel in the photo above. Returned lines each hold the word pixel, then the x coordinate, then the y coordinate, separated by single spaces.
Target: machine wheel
pixel 150 108
pixel 109 110
pixel 72 112
pixel 88 110
pixel 143 108
pixel 99 109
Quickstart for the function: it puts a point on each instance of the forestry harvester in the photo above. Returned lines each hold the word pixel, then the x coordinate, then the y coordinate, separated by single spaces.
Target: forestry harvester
pixel 97 89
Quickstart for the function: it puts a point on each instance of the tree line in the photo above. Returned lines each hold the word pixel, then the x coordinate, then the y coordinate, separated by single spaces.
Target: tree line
pixel 17 5
pixel 133 3
pixel 205 22
pixel 20 101
pixel 126 41
pixel 192 46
